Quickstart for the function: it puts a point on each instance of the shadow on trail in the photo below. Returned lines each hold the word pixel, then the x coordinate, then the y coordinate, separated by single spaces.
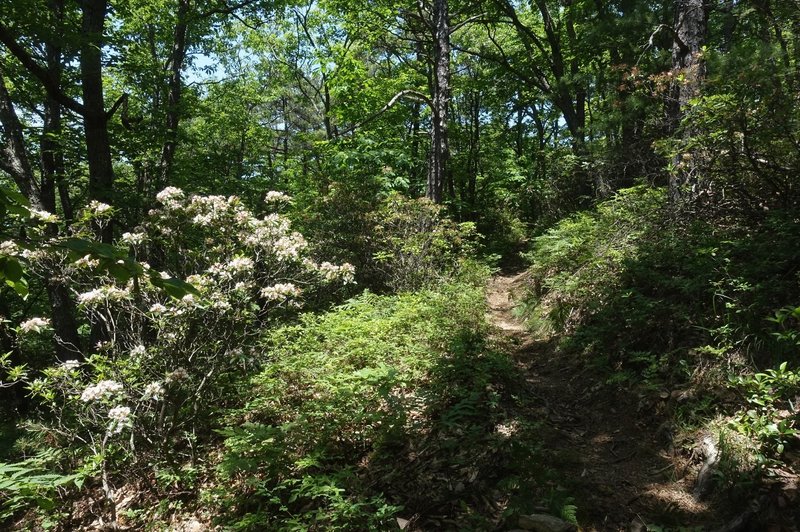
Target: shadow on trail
pixel 600 441
pixel 470 459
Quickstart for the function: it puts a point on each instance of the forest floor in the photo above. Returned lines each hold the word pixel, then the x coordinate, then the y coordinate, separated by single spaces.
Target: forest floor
pixel 603 442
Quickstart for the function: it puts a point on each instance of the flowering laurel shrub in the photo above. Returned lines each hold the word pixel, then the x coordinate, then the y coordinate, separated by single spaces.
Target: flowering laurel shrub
pixel 167 354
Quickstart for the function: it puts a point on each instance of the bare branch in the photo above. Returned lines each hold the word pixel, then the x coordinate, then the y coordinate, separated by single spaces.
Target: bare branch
pixel 120 101
pixel 410 94
pixel 39 72
pixel 672 31
pixel 475 18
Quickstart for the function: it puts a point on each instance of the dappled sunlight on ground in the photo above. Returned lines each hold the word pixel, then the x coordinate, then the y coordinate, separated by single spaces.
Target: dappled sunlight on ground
pixel 597 436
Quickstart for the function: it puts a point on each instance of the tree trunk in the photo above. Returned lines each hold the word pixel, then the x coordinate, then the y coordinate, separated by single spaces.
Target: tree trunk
pixel 52 160
pixel 440 148
pixel 177 57
pixel 15 160
pixel 40 197
pixel 691 26
pixel 95 123
pixel 474 154
pixel 52 152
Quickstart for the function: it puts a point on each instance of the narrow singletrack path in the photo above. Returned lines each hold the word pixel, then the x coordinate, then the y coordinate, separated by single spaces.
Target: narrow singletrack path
pixel 603 441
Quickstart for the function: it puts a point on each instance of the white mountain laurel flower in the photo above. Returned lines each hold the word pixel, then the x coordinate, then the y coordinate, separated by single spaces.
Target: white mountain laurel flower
pixel 240 264
pixel 280 291
pixel 34 325
pixel 119 416
pixel 289 247
pixel 98 208
pixel 138 351
pixel 332 272
pixel 69 365
pixel 274 196
pixel 102 295
pixel 100 390
pixel 153 391
pixel 87 261
pixel 170 198
pixel 133 239
pixel 33 254
pixel 9 248
pixel 43 216
pixel 158 308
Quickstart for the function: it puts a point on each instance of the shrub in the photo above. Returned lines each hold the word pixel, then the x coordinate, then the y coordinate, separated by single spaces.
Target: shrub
pixel 653 291
pixel 578 264
pixel 343 395
pixel 168 352
pixel 414 244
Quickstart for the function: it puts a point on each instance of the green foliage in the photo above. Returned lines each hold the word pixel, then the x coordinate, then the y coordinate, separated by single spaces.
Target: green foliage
pixel 350 395
pixel 654 296
pixel 788 320
pixel 414 244
pixel 773 418
pixel 578 264
pixel 396 243
pixel 342 383
pixel 30 484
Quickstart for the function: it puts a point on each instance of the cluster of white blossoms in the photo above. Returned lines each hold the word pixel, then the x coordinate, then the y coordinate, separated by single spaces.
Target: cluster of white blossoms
pixel 43 216
pixel 189 300
pixel 153 391
pixel 158 308
pixel 9 248
pixel 332 272
pixel 219 302
pixel 102 295
pixel 233 267
pixel 262 233
pixel 34 255
pixel 138 351
pixel 274 196
pixel 210 209
pixel 100 390
pixel 280 292
pixel 69 365
pixel 170 198
pixel 34 325
pixel 200 281
pixel 243 252
pixel 290 247
pixel 98 208
pixel 119 416
pixel 133 239
pixel 87 261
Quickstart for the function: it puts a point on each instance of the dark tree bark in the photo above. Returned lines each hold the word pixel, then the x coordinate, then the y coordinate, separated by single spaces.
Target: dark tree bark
pixel 63 310
pixel 41 196
pixel 52 153
pixel 14 159
pixel 174 94
pixel 474 154
pixel 440 145
pixel 95 120
pixel 689 36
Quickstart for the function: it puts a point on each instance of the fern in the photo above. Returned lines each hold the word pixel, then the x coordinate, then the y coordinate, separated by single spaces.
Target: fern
pixel 27 484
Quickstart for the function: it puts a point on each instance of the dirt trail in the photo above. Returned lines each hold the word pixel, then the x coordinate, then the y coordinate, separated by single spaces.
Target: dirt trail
pixel 603 441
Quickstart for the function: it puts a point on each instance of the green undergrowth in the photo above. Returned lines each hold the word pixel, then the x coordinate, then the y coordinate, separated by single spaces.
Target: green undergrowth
pixel 669 301
pixel 387 407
